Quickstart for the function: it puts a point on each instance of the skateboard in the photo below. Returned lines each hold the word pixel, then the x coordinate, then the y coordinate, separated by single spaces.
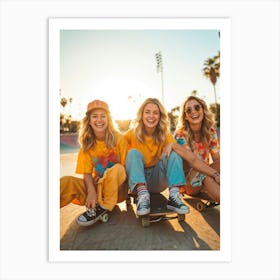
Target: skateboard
pixel 203 201
pixel 103 217
pixel 159 211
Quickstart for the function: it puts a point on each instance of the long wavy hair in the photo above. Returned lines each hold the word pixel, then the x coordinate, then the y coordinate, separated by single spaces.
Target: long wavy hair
pixel 87 137
pixel 162 127
pixel 207 123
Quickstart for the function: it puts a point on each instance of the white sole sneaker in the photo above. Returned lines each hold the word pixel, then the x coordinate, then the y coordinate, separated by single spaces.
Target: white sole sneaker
pixel 179 211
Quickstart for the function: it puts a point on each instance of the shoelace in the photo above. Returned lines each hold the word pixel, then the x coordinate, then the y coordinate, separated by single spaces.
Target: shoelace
pixel 177 198
pixel 144 200
pixel 91 212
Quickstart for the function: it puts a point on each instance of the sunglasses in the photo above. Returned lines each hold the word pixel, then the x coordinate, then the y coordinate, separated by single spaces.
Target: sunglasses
pixel 196 108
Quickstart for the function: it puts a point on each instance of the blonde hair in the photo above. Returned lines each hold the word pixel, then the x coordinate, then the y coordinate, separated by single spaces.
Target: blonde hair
pixel 162 127
pixel 207 123
pixel 87 137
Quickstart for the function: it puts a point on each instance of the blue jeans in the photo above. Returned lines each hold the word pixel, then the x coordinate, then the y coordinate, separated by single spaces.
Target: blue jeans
pixel 167 172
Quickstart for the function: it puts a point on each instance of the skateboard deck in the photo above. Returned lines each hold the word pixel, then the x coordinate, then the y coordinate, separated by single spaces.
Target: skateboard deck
pixel 203 201
pixel 159 211
pixel 103 217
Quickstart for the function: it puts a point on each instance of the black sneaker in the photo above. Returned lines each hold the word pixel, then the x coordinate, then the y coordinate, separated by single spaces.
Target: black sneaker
pixel 143 205
pixel 89 217
pixel 175 204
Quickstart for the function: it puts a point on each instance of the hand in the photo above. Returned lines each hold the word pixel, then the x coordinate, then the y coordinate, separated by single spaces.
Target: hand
pixel 166 151
pixel 91 199
pixel 217 177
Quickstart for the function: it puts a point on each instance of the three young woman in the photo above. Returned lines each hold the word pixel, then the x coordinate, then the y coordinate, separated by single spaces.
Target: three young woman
pixel 147 153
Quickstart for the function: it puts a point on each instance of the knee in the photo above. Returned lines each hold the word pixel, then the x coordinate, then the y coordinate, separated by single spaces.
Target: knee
pixel 134 154
pixel 174 156
pixel 119 169
pixel 209 180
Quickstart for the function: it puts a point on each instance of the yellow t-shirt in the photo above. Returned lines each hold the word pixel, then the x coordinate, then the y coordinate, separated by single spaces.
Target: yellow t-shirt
pixel 99 158
pixel 150 150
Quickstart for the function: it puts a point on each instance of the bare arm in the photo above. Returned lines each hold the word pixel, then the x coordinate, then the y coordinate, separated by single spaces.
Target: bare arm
pixel 195 162
pixel 216 161
pixel 91 192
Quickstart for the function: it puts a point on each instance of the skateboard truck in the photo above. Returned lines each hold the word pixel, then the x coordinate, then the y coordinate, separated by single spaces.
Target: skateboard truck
pixel 200 205
pixel 146 220
pixel 203 201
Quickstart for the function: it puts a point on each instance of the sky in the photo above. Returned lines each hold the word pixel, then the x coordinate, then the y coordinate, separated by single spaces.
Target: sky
pixel 119 67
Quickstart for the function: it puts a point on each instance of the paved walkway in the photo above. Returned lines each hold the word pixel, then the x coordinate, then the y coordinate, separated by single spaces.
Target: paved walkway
pixel 123 231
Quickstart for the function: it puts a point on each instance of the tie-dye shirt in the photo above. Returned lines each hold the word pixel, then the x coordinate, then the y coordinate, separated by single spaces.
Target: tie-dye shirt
pixel 202 150
pixel 99 158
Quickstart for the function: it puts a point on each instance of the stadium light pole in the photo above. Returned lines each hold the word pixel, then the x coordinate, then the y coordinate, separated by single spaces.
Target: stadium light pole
pixel 160 70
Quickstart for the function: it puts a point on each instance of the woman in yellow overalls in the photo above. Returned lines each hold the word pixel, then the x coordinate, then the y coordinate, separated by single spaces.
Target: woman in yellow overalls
pixel 101 160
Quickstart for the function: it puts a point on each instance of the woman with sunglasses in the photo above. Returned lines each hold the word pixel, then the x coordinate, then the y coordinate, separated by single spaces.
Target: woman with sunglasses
pixel 154 161
pixel 196 132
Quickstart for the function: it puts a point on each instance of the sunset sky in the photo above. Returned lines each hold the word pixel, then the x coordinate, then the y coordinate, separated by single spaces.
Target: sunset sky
pixel 119 67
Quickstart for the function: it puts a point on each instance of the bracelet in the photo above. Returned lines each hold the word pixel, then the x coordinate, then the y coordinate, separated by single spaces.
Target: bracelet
pixel 216 174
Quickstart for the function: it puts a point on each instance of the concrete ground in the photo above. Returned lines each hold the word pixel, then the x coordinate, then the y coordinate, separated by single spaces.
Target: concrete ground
pixel 123 231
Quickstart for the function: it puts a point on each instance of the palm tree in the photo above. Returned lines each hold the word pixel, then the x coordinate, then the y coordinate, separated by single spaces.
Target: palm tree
pixel 194 92
pixel 63 102
pixel 211 71
pixel 173 116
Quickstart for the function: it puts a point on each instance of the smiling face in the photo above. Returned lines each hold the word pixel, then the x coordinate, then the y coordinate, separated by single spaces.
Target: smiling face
pixel 151 117
pixel 98 120
pixel 194 112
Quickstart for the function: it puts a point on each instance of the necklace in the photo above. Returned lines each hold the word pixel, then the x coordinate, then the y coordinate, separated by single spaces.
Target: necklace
pixel 197 136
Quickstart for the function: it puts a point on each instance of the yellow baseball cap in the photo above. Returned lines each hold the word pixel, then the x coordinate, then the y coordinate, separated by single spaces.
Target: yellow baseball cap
pixel 97 104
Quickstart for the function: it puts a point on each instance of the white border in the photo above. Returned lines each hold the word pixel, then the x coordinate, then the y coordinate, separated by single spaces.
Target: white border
pixel 55 25
pixel 24 67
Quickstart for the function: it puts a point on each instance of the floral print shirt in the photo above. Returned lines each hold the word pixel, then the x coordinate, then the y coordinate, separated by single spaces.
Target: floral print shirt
pixel 203 150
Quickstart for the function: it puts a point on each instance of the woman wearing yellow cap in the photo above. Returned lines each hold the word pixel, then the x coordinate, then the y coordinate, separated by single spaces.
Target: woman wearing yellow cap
pixel 101 160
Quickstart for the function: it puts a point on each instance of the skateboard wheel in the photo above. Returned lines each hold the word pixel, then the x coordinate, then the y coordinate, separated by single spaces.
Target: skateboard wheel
pixel 145 221
pixel 213 204
pixel 105 218
pixel 181 217
pixel 200 206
